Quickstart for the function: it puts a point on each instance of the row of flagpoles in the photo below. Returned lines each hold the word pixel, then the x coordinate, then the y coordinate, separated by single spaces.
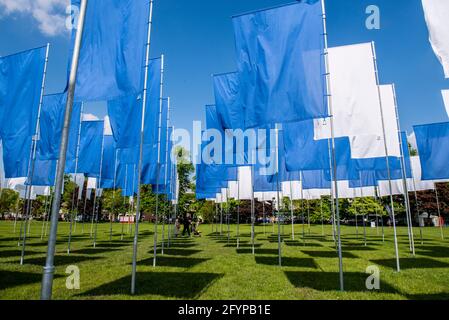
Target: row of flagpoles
pixel 342 132
pixel 330 114
pixel 132 147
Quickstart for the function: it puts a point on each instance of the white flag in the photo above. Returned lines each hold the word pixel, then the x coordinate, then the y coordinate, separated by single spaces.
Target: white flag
pixel 373 146
pixel 397 188
pixel 292 189
pixel 436 13
pixel 354 93
pixel 418 183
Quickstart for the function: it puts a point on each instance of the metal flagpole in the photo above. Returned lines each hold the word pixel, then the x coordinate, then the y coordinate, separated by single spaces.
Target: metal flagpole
pixel 363 214
pixel 76 172
pixel 404 177
pixel 381 218
pixel 264 216
pixel 278 189
pixel 238 212
pixel 47 279
pixel 221 215
pixel 334 157
pixel 124 204
pixel 32 165
pixel 216 217
pixel 252 211
pixel 302 210
pixel 139 171
pixel 291 211
pixel 322 217
pixel 170 204
pixel 99 188
pixel 396 247
pixel 308 216
pixel 166 173
pixel 334 231
pixel 227 214
pixel 45 217
pixel 48 212
pixel 158 164
pixel 439 212
pixel 356 217
pixel 113 196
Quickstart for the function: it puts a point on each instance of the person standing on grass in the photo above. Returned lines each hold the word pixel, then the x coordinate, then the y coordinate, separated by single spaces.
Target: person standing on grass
pixel 187 222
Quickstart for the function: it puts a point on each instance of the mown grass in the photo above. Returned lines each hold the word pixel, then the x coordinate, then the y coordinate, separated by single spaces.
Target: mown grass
pixel 211 267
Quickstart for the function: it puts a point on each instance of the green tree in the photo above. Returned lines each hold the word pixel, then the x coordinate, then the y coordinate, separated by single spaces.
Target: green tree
pixel 9 201
pixel 186 189
pixel 365 206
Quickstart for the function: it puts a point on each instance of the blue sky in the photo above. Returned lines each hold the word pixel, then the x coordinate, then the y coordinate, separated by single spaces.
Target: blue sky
pixel 196 38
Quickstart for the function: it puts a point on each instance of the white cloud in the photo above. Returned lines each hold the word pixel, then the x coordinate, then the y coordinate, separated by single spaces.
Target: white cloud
pixel 49 14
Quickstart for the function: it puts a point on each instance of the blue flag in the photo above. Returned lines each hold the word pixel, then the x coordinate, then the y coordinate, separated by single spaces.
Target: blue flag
pixel 21 76
pixel 229 107
pixel 109 162
pixel 51 123
pixel 433 149
pixel 113 49
pixel 154 151
pixel 126 113
pixel 315 179
pixel 90 148
pixel 281 64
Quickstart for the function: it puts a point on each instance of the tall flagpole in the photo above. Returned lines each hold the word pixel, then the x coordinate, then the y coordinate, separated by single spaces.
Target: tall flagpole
pixel 47 279
pixel 113 196
pixel 363 213
pixel 238 210
pixel 252 212
pixel 334 157
pixel 76 172
pixel 139 170
pixel 98 189
pixel 291 210
pixel 303 218
pixel 396 247
pixel 31 168
pixel 166 171
pixel 404 176
pixel 439 212
pixel 278 200
pixel 158 164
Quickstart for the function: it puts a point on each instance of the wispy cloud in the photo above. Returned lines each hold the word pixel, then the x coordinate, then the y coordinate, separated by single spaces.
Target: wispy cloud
pixel 50 15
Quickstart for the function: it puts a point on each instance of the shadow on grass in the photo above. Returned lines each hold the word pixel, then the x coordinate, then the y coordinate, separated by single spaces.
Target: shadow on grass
pixel 180 245
pixel 94 250
pixel 412 263
pixel 300 243
pixel 10 279
pixel 433 251
pixel 111 245
pixel 357 248
pixel 163 261
pixel 243 245
pixel 287 262
pixel 329 281
pixel 257 251
pixel 16 253
pixel 329 254
pixel 180 285
pixel 61 260
pixel 177 252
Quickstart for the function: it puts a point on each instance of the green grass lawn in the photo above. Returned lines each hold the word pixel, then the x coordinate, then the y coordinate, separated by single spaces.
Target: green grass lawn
pixel 210 267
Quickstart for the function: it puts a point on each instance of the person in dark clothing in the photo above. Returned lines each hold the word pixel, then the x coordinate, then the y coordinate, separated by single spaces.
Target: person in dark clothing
pixel 186 222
